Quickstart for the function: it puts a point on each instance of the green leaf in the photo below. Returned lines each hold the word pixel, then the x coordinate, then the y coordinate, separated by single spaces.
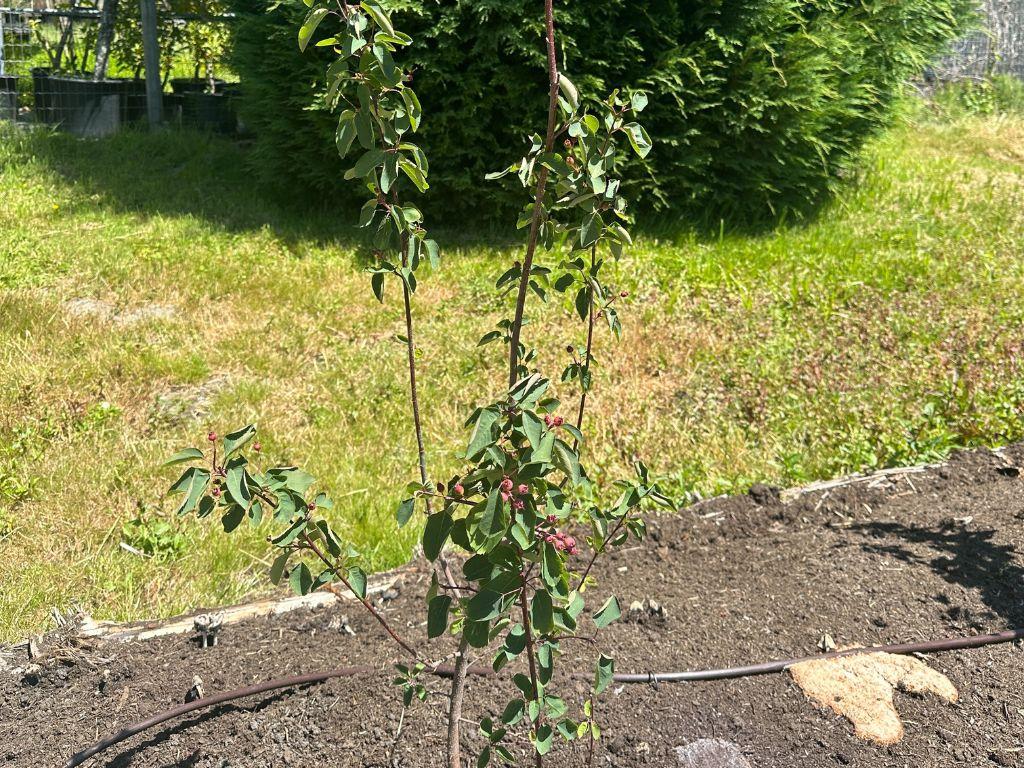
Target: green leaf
pixel 193 483
pixel 313 19
pixel 370 159
pixel 357 580
pixel 569 91
pixel 433 253
pixel 483 432
pixel 415 174
pixel 533 427
pixel 603 673
pixel 437 615
pixel 492 520
pixel 377 284
pixel 364 129
pixel 638 101
pixel 300 579
pixel 477 633
pixel 638 138
pixel 484 605
pixel 551 569
pixel 435 534
pixel 345 135
pixel 405 510
pixel 367 212
pixel 189 454
pixel 277 567
pixel 542 611
pixel 379 16
pixel 513 712
pixel 591 229
pixel 567 461
pixel 542 453
pixel 543 739
pixel 483 758
pixel 235 440
pixel 233 517
pixel 607 613
pixel 583 302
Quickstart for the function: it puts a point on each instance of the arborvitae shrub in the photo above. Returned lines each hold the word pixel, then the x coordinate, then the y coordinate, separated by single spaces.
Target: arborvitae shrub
pixel 761 105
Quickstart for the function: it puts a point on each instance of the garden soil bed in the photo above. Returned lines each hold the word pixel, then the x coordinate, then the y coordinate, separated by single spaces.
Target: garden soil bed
pixel 746 579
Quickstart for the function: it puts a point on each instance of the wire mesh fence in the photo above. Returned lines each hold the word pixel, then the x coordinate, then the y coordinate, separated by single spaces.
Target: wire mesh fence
pixel 79 65
pixel 997 48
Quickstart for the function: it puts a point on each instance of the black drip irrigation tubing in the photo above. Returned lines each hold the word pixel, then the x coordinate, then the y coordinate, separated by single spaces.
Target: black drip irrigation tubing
pixel 769 667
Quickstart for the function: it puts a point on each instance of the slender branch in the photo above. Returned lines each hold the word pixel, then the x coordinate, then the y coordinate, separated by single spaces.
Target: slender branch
pixel 597 552
pixel 538 199
pixel 538 761
pixel 588 357
pixel 336 570
pixel 453 744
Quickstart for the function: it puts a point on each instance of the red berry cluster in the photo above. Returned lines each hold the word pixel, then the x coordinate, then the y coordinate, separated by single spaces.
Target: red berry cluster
pixel 507 493
pixel 563 542
pixel 553 421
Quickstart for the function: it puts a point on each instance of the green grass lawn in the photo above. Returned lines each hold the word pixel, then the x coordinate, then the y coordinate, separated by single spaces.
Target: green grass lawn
pixel 888 331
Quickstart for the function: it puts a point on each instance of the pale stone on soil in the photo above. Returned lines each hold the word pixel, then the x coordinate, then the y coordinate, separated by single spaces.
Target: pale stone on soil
pixel 711 753
pixel 860 688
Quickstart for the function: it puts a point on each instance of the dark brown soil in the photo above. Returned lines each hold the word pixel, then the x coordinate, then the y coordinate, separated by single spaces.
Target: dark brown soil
pixel 742 580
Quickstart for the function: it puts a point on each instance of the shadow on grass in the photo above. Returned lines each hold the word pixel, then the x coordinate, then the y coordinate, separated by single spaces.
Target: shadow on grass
pixel 185 173
pixel 968 558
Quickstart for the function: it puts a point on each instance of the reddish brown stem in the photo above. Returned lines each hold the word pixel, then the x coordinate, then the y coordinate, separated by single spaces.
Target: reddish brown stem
pixel 361 598
pixel 538 199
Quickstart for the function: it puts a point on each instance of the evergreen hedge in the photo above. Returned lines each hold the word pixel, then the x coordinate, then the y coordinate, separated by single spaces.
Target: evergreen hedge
pixel 758 107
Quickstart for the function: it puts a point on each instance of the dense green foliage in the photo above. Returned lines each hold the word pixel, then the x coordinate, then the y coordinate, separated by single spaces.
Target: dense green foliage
pixel 761 106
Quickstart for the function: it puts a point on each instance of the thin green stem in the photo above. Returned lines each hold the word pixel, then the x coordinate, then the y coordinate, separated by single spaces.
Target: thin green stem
pixel 538 199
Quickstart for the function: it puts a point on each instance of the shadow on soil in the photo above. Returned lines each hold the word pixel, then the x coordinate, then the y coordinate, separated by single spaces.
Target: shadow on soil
pixel 968 558
pixel 127 758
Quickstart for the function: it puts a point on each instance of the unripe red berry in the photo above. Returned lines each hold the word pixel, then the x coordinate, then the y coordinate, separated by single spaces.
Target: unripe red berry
pixel 552 519
pixel 547 419
pixel 506 484
pixel 570 348
pixel 505 496
pixel 312 506
pixel 215 492
pixel 517 504
pixel 459 490
pixel 624 294
pixel 212 437
pixel 523 489
pixel 558 421
pixel 440 487
pixel 570 542
pixel 257 447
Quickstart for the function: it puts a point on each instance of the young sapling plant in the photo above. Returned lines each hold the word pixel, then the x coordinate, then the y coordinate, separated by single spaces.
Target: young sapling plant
pixel 523 493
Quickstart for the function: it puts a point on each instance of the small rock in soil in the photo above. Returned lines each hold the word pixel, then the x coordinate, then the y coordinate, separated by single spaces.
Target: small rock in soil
pixel 711 753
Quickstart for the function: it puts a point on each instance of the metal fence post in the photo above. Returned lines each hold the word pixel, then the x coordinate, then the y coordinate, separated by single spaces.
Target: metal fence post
pixel 151 50
pixel 2 65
